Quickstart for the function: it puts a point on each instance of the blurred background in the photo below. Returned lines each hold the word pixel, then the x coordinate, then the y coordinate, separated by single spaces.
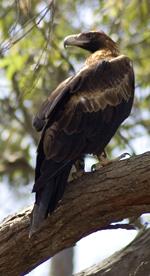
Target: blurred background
pixel 32 63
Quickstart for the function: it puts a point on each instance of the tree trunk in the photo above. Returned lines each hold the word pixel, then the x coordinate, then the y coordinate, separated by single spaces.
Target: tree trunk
pixel 91 203
pixel 62 263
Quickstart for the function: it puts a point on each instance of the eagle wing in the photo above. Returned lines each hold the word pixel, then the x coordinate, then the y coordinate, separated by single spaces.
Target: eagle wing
pixel 110 81
pixel 83 103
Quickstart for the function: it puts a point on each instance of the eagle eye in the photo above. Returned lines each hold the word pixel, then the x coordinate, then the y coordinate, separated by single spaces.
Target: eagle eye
pixel 90 35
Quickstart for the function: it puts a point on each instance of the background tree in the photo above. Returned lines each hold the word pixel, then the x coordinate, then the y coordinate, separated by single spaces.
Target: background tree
pixel 33 63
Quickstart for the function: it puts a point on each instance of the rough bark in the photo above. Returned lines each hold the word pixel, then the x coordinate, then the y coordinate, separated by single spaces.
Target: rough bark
pixel 90 203
pixel 133 260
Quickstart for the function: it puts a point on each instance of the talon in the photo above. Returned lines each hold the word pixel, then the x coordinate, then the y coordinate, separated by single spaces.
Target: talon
pixel 74 175
pixel 98 165
pixel 126 153
pixel 122 156
pixel 93 167
pixel 103 160
pixel 78 174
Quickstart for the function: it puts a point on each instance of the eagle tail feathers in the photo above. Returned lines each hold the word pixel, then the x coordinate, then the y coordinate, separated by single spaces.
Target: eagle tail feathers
pixel 48 196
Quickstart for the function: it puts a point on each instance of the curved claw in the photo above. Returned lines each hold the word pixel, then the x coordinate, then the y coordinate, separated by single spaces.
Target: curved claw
pixel 78 174
pixel 124 155
pixel 105 161
pixel 93 167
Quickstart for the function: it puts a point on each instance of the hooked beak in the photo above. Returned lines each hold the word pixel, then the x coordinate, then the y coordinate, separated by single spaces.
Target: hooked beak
pixel 74 40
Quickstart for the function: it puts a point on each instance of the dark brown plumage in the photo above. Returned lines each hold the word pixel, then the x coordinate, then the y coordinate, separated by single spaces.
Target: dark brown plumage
pixel 80 117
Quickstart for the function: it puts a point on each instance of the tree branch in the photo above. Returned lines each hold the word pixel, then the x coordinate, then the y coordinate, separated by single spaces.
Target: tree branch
pixel 91 203
pixel 133 260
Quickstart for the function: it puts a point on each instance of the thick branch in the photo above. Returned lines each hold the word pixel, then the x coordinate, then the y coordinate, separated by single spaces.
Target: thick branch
pixel 133 260
pixel 89 204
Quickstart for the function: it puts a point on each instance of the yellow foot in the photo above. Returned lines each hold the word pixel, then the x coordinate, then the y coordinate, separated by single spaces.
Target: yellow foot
pixel 78 174
pixel 103 161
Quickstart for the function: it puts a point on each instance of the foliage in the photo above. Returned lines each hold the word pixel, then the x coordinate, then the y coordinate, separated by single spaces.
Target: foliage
pixel 34 62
